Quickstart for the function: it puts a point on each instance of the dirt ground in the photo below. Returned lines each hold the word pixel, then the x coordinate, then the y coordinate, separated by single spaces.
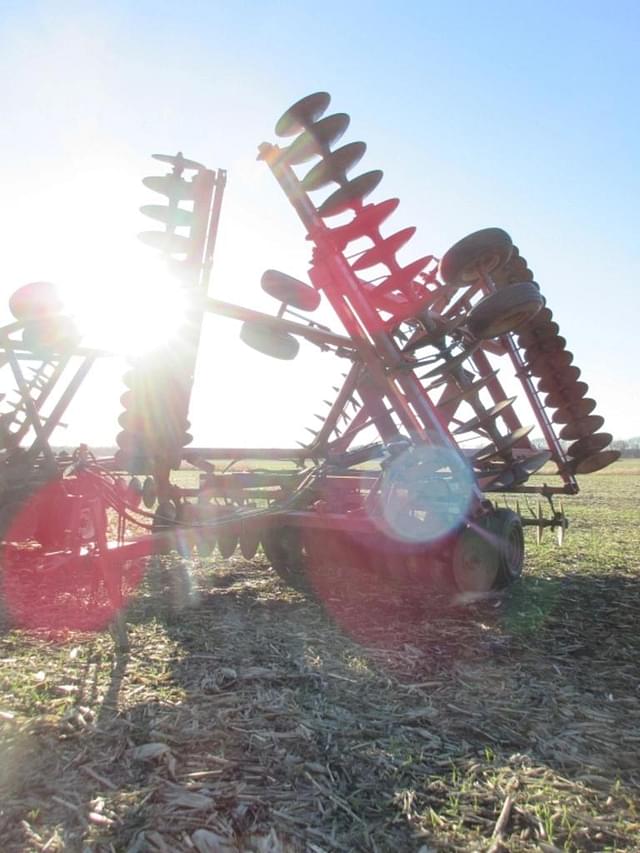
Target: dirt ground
pixel 247 716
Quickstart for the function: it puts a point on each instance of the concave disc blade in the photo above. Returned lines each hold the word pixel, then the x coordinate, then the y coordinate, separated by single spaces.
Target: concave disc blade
pixel 405 276
pixel 589 444
pixel 351 194
pixel 495 482
pixel 303 113
pixel 485 417
pixel 365 223
pixel 581 427
pixel 531 337
pixel 597 461
pixel 384 252
pixel 466 393
pixel 534 463
pixel 175 216
pixel 176 188
pixel 551 344
pixel 422 337
pixel 166 242
pixel 552 361
pixel 555 380
pixel 574 411
pixel 493 451
pixel 544 316
pixel 178 160
pixel 570 394
pixel 317 139
pixel 334 167
pixel 451 363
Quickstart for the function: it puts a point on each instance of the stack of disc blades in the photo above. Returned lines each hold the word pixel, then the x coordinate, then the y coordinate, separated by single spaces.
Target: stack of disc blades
pixel 154 425
pixel 513 271
pixel 316 135
pixel 548 360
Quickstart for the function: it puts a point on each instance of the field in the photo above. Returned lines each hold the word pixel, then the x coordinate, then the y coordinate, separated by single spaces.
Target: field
pixel 260 720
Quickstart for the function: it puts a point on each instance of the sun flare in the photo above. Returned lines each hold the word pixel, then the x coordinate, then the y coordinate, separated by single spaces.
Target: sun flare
pixel 130 308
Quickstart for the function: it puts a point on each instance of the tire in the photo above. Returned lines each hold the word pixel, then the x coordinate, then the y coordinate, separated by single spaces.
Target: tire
pixel 284 549
pixel 505 310
pixel 271 342
pixel 489 556
pixel 485 251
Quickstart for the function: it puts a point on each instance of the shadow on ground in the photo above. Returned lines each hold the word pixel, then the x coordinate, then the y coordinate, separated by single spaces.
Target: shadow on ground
pixel 257 719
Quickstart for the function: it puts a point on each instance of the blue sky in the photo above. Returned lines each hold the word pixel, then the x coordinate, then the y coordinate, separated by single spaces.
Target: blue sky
pixel 522 115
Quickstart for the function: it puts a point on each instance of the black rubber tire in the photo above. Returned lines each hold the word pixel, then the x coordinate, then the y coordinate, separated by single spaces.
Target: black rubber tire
pixel 505 310
pixel 271 342
pixel 284 549
pixel 488 249
pixel 290 290
pixel 490 555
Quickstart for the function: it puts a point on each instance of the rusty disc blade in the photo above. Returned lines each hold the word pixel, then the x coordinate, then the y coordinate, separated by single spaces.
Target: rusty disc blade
pixel 458 396
pixel 531 337
pixel 554 343
pixel 451 363
pixel 597 461
pixel 303 113
pixel 485 417
pixel 544 316
pixel 494 451
pixel 550 362
pixel 581 427
pixel 351 194
pixel 384 251
pixel 554 381
pixel 365 223
pixel 589 445
pixel 317 139
pixel 249 542
pixel 574 411
pixel 572 392
pixel 333 167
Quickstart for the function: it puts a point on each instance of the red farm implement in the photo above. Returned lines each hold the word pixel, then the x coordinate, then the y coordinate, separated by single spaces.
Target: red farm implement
pixel 402 473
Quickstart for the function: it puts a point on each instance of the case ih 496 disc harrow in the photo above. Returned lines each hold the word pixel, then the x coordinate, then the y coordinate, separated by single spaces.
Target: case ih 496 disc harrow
pixel 400 474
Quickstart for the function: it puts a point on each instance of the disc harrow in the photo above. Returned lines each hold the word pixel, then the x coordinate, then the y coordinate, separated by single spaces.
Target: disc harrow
pixel 400 476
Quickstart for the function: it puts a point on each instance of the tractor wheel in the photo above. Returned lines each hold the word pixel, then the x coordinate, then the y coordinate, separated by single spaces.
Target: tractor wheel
pixel 481 252
pixel 505 310
pixel 271 342
pixel 490 555
pixel 284 549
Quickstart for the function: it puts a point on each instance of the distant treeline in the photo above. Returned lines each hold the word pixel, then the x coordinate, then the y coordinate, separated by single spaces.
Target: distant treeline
pixel 628 447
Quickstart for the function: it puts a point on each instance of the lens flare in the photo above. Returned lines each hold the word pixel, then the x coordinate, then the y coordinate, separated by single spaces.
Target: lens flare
pixel 426 492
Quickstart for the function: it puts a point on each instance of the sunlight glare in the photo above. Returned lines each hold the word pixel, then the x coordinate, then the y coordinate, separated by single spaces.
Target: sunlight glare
pixel 128 314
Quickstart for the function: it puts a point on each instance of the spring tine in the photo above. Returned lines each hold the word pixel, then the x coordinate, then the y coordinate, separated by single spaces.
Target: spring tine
pixel 518 507
pixel 321 418
pixel 539 528
pixel 313 432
